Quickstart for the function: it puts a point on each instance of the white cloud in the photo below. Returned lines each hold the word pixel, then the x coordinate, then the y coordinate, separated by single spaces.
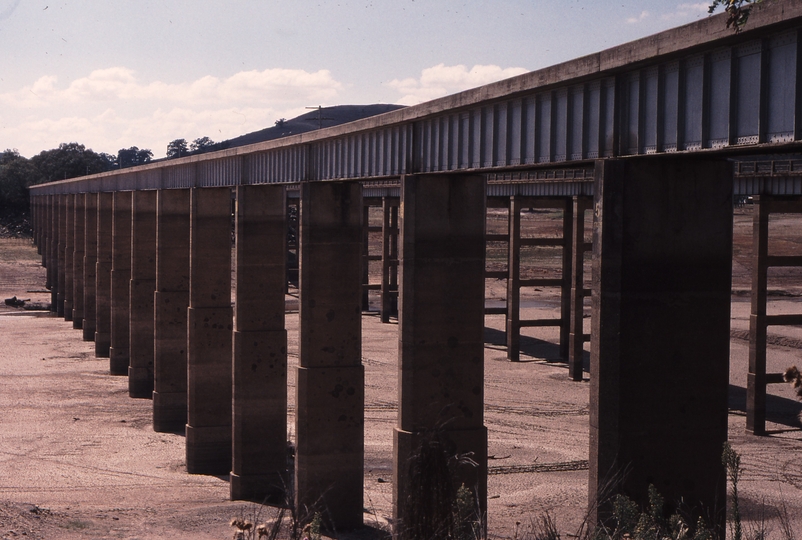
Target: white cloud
pixel 113 108
pixel 687 11
pixel 442 80
pixel 643 15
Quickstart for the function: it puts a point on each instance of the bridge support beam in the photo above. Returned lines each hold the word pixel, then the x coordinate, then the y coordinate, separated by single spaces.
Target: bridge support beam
pixel 51 222
pixel 330 389
pixel 389 284
pixel 576 337
pixel 441 331
pixel 119 354
pixel 62 254
pixel 47 237
pixel 661 320
pixel 78 262
pixel 69 255
pixel 259 460
pixel 171 301
pixel 143 286
pixel 90 265
pixel 105 221
pixel 210 325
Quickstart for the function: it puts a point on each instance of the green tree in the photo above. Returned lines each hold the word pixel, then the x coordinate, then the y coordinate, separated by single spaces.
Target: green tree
pixel 177 148
pixel 131 157
pixel 16 174
pixel 738 10
pixel 200 144
pixel 69 160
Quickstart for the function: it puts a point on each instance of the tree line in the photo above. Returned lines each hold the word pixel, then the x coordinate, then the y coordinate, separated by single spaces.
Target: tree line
pixel 69 160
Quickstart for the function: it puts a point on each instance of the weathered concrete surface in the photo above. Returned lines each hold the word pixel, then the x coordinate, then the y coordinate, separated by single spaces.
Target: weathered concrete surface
pixel 69 254
pixel 170 311
pixel 120 299
pixel 90 266
pixel 105 224
pixel 441 368
pixel 143 287
pixel 330 392
pixel 259 468
pixel 660 350
pixel 209 333
pixel 78 262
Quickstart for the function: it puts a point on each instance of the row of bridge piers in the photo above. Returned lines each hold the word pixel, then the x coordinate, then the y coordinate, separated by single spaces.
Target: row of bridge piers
pixel 147 275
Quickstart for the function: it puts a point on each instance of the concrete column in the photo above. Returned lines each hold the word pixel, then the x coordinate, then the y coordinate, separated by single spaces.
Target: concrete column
pixel 259 460
pixel 36 220
pixel 90 266
pixel 143 286
pixel 365 256
pixel 210 325
pixel 78 262
pixel 62 253
pixel 330 390
pixel 52 269
pixel 170 311
pixel 39 223
pixel 389 285
pixel 514 282
pixel 47 260
pixel 756 378
pixel 441 326
pixel 105 214
pixel 69 255
pixel 565 287
pixel 44 224
pixel 576 337
pixel 120 354
pixel 661 332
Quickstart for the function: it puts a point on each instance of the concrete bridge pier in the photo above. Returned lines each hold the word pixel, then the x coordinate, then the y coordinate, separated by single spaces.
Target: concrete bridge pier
pixel 120 301
pixel 69 255
pixel 389 284
pixel 78 262
pixel 90 265
pixel 209 339
pixel 330 390
pixel 661 321
pixel 105 221
pixel 757 377
pixel 259 460
pixel 577 336
pixel 47 248
pixel 36 215
pixel 143 286
pixel 62 254
pixel 441 336
pixel 171 301
pixel 45 224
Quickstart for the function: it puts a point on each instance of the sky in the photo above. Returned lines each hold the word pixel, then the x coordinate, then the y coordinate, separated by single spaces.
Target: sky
pixel 113 74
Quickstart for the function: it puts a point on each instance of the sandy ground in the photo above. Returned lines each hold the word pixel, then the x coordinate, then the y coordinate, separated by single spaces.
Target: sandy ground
pixel 79 458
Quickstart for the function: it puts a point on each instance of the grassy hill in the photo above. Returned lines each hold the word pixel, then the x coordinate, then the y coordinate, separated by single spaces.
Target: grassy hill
pixel 314 119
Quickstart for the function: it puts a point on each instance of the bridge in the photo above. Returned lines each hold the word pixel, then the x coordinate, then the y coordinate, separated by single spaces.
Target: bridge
pixel 655 137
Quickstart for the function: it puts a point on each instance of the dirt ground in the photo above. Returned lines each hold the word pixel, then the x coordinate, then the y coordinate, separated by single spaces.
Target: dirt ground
pixel 79 458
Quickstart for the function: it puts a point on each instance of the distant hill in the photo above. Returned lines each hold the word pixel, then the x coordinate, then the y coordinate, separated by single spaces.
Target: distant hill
pixel 314 119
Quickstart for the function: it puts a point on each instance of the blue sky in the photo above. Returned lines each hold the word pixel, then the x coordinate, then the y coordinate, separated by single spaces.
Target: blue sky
pixel 114 73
